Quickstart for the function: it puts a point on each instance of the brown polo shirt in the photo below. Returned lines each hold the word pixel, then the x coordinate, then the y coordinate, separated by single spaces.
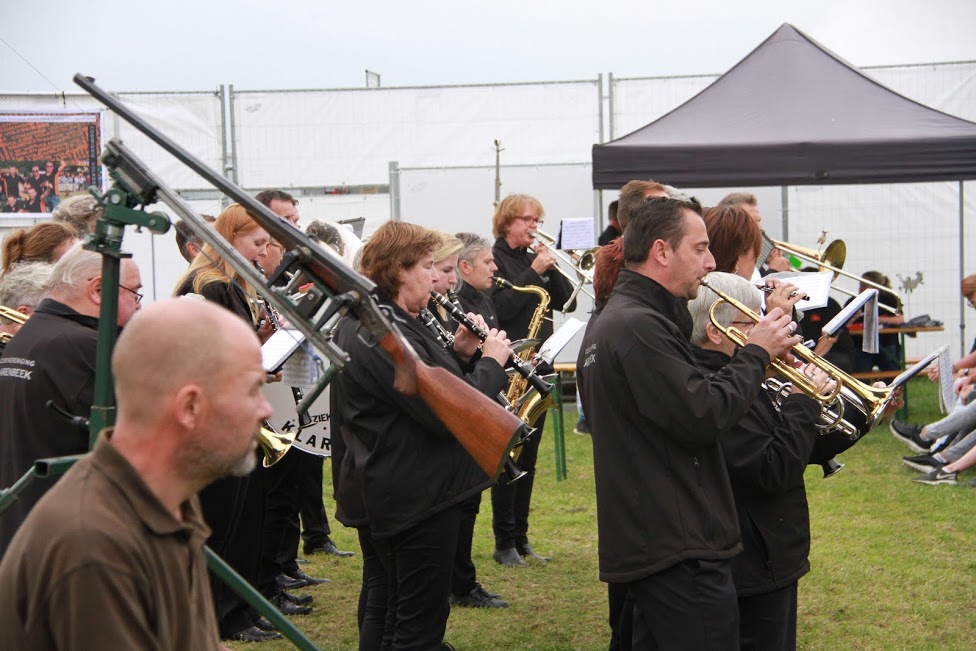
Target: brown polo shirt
pixel 101 564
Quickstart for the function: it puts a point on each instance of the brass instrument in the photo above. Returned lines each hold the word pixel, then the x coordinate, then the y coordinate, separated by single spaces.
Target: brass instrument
pixel 832 259
pixel 11 315
pixel 518 385
pixel 851 407
pixel 583 263
pixel 274 444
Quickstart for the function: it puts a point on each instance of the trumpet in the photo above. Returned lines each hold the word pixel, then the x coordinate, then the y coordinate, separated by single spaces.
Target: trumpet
pixel 850 407
pixel 583 263
pixel 11 315
pixel 832 259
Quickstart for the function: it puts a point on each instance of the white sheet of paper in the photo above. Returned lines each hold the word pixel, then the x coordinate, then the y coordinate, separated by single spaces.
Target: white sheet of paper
pixel 849 310
pixel 551 346
pixel 915 370
pixel 577 234
pixel 279 347
pixel 813 284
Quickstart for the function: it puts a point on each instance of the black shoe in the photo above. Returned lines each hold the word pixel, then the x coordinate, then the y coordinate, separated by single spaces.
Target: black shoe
pixel 254 634
pixel 264 625
pixel 288 608
pixel 910 435
pixel 527 552
pixel 509 557
pixel 937 476
pixel 289 583
pixel 484 593
pixel 298 599
pixel 477 599
pixel 923 462
pixel 309 580
pixel 328 547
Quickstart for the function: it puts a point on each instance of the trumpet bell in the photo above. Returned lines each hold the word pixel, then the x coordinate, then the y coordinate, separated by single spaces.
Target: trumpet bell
pixel 274 444
pixel 835 255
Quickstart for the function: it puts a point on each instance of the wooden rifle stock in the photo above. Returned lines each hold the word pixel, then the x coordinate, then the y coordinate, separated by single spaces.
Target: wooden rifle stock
pixel 483 427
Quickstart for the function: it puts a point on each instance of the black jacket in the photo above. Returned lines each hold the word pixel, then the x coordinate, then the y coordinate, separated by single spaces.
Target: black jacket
pixel 404 465
pixel 766 453
pixel 514 308
pixel 51 358
pixel 473 300
pixel 662 490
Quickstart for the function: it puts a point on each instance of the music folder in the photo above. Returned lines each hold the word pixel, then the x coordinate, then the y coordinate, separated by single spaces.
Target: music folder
pixel 909 373
pixel 279 348
pixel 551 347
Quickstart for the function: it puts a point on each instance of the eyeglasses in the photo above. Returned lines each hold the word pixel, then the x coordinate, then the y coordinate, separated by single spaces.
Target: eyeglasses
pixel 744 323
pixel 531 219
pixel 134 292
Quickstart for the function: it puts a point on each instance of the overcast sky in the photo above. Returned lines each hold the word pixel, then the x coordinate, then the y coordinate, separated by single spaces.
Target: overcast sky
pixel 199 44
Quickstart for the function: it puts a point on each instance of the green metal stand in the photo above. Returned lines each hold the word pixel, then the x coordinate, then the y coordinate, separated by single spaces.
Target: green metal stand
pixel 559 436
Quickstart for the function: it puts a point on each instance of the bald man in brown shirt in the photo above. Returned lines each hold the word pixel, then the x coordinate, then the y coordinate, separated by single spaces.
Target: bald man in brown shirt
pixel 112 557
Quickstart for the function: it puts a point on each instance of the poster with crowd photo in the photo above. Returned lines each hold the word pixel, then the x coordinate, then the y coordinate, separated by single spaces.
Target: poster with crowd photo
pixel 45 158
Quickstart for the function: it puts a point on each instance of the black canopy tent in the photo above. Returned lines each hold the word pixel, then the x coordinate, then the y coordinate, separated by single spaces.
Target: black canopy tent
pixel 792 113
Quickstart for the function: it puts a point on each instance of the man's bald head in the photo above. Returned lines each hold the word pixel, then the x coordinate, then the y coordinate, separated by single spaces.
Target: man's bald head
pixel 173 343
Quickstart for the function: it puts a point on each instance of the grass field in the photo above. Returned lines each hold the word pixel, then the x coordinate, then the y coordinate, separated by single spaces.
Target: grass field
pixel 891 563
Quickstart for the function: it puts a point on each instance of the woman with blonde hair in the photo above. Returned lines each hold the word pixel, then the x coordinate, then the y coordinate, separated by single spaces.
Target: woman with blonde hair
pixel 233 506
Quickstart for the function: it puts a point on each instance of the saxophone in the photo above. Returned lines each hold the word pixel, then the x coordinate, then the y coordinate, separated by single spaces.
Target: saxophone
pixel 528 403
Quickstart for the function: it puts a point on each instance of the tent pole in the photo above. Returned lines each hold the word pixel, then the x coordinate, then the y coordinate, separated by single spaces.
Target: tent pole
pixel 785 206
pixel 962 268
pixel 598 194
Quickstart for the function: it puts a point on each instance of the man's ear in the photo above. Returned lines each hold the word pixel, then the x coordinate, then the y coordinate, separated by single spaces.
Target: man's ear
pixel 188 406
pixel 714 335
pixel 23 309
pixel 94 290
pixel 464 267
pixel 661 252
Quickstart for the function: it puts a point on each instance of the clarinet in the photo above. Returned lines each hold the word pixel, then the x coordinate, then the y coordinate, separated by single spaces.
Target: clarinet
pixel 446 338
pixel 525 369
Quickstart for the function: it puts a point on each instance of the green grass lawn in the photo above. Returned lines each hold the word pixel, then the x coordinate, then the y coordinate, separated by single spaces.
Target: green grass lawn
pixel 891 564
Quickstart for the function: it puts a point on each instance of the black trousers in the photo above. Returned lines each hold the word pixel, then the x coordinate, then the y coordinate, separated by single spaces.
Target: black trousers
pixel 279 545
pixel 234 509
pixel 690 606
pixel 621 616
pixel 510 503
pixel 419 562
pixel 375 628
pixel 768 621
pixel 465 575
pixel 315 523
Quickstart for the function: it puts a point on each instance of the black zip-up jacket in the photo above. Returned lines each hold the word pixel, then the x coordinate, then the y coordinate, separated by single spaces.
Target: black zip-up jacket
pixel 514 308
pixel 51 358
pixel 473 300
pixel 766 453
pixel 405 466
pixel 662 490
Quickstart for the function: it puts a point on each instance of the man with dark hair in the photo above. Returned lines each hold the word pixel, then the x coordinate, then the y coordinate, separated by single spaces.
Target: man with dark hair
pixel 187 240
pixel 281 203
pixel 665 513
pixel 613 229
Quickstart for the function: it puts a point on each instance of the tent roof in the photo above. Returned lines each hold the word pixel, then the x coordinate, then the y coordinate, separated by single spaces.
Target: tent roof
pixel 792 113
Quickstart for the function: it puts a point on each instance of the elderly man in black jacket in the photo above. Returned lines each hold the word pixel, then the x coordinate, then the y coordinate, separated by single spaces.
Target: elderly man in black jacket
pixel 664 505
pixel 515 223
pixel 766 453
pixel 52 358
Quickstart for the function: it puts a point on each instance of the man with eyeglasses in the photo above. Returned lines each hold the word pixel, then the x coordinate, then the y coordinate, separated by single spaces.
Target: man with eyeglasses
pixel 515 224
pixel 52 358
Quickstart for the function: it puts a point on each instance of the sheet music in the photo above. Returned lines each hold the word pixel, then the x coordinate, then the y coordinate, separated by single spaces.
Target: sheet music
pixel 915 370
pixel 577 234
pixel 815 285
pixel 279 347
pixel 301 369
pixel 551 347
pixel 947 394
pixel 849 311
